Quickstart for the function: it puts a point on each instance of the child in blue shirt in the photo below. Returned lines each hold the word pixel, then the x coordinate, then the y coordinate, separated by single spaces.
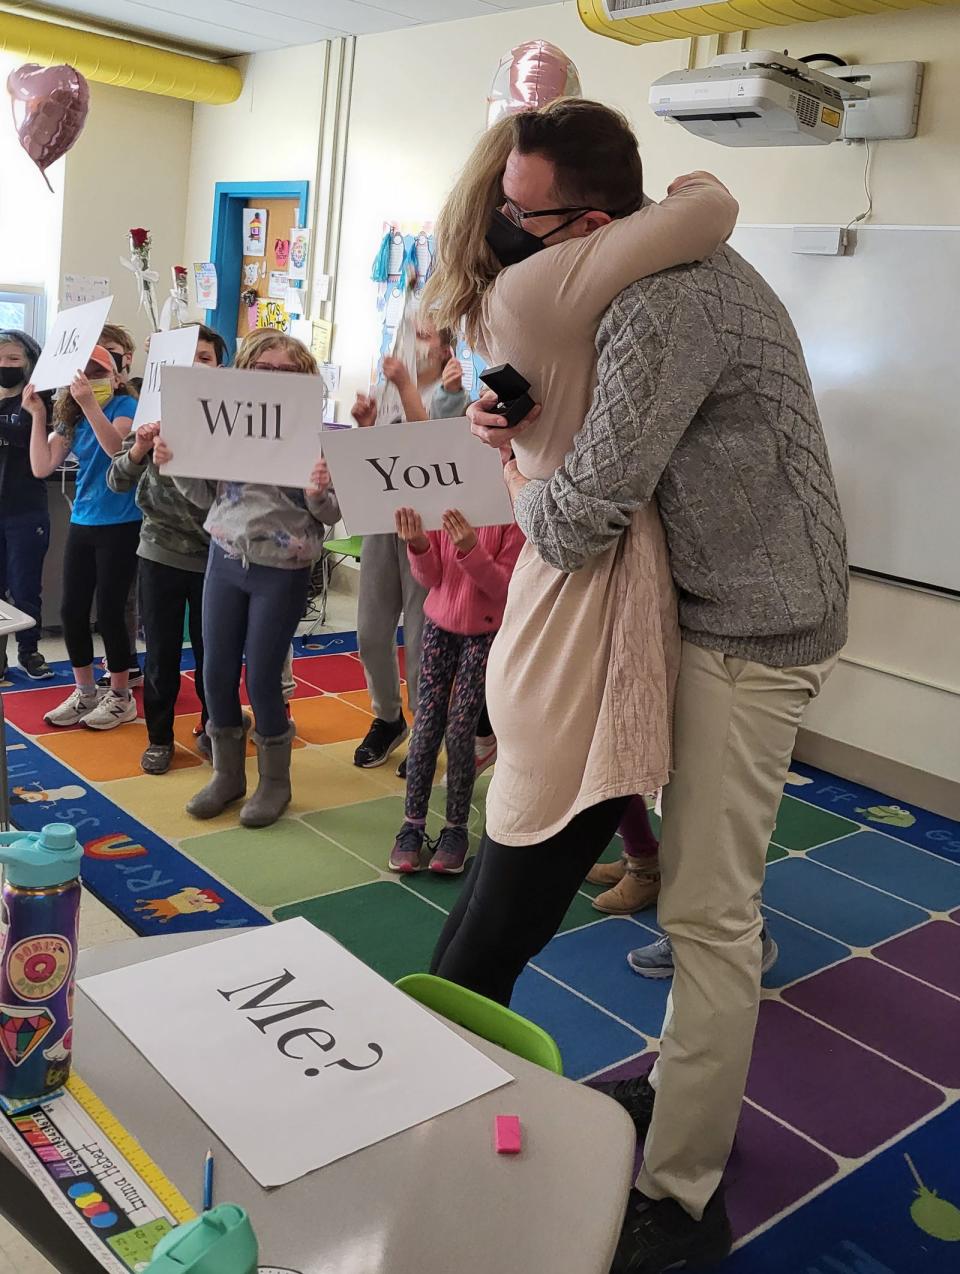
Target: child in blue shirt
pixel 91 419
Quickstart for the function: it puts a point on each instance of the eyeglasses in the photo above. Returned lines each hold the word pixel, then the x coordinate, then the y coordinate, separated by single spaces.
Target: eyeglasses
pixel 270 367
pixel 518 216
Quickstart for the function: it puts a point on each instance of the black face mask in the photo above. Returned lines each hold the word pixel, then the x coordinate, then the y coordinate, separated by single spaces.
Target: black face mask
pixel 11 377
pixel 510 242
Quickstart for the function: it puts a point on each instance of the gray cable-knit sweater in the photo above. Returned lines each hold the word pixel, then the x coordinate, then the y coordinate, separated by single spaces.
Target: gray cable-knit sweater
pixel 704 400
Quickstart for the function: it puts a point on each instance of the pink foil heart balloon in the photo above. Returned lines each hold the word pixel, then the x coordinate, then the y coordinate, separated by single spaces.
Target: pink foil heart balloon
pixel 530 76
pixel 53 103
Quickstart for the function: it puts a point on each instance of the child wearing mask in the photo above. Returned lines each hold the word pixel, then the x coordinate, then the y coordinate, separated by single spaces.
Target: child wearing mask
pixel 388 586
pixel 264 542
pixel 173 558
pixel 24 520
pixel 91 419
pixel 467 572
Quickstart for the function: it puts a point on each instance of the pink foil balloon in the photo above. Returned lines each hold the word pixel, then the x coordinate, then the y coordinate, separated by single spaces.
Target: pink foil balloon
pixel 530 76
pixel 53 103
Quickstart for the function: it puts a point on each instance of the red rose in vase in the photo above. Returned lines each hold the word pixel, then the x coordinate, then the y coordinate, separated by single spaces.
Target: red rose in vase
pixel 139 237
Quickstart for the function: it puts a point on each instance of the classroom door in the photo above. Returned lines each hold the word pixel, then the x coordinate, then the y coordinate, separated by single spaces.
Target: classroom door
pixel 270 227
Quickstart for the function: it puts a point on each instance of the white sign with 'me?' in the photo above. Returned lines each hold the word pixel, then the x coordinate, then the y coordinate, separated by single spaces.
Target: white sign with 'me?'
pixel 290 1049
pixel 242 426
pixel 426 465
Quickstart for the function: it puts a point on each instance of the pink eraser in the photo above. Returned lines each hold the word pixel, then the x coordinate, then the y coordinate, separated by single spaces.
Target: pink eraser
pixel 507 1134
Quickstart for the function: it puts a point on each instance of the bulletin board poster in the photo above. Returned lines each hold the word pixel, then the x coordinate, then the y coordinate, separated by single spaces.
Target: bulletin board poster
pixel 411 244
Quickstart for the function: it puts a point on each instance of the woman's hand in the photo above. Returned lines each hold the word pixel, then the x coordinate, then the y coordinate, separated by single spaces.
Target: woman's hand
pixel 319 478
pixel 81 391
pixel 396 372
pixel 409 525
pixel 461 533
pixel 492 428
pixel 161 452
pixel 514 479
pixel 143 445
pixel 364 411
pixel 451 378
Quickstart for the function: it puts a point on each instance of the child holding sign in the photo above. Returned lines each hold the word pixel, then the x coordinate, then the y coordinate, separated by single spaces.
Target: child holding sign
pixel 173 558
pixel 467 572
pixel 92 418
pixel 264 541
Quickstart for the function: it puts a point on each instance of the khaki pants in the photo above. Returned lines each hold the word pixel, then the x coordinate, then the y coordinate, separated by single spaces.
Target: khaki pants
pixel 734 731
pixel 387 590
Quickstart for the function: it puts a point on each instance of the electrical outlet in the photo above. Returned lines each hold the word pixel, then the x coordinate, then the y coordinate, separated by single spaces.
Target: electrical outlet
pixel 893 107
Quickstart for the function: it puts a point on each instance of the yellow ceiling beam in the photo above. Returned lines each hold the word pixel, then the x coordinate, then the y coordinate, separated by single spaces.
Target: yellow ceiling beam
pixel 123 63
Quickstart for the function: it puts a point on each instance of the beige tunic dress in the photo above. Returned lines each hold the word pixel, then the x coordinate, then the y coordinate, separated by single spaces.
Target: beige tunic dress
pixel 580 679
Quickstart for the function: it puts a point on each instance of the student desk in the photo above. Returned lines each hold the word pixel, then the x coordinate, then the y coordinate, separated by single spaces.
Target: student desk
pixel 432 1200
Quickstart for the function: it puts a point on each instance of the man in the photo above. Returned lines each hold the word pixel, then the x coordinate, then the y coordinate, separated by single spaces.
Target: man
pixel 704 402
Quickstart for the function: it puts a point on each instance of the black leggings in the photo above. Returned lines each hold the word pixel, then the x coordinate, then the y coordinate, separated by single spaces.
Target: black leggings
pixel 515 899
pixel 98 561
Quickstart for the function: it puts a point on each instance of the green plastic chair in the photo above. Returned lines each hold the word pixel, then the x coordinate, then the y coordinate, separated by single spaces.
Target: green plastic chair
pixel 486 1018
pixel 346 548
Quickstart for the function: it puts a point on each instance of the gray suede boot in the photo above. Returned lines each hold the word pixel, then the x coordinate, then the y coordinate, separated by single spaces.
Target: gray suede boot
pixel 229 782
pixel 273 791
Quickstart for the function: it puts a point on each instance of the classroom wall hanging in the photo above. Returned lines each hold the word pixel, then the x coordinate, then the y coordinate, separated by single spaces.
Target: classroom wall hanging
pixel 528 77
pixel 49 106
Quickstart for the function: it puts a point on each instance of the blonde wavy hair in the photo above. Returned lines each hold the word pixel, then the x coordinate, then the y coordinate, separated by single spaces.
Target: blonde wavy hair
pixel 266 338
pixel 597 161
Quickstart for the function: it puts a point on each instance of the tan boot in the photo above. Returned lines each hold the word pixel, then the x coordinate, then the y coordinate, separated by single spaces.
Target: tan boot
pixel 639 888
pixel 607 873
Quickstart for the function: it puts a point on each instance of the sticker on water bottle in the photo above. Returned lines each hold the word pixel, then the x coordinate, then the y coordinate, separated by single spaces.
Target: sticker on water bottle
pixel 38 967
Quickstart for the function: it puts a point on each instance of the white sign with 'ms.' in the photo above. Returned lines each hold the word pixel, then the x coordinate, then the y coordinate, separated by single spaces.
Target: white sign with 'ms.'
pixel 242 426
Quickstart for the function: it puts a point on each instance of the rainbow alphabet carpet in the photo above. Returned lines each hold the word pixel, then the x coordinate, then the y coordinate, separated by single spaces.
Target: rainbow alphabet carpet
pixel 847 1160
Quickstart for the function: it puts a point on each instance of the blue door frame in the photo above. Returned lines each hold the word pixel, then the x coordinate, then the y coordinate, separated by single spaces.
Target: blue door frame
pixel 226 243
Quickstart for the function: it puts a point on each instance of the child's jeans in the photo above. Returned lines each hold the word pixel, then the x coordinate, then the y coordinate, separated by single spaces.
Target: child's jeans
pixel 448 662
pixel 253 610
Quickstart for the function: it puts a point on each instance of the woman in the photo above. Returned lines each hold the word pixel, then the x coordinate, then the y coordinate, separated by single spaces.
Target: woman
pixel 264 541
pixel 91 419
pixel 24 520
pixel 545 227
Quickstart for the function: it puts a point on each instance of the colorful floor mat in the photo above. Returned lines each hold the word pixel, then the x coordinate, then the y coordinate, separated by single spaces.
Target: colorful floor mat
pixel 846 1159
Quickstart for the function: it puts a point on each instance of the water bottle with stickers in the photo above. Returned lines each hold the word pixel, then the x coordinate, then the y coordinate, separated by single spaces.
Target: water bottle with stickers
pixel 39 917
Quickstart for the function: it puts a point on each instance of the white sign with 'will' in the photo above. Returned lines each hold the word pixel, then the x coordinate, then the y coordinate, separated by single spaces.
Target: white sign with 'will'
pixel 242 426
pixel 426 465
pixel 289 1048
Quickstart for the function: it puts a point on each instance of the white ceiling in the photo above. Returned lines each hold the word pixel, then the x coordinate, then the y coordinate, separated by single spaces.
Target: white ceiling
pixel 249 26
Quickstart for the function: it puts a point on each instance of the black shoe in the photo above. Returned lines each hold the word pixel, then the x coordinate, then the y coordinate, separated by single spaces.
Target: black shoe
pixel 636 1096
pixel 35 666
pixel 383 737
pixel 659 1235
pixel 402 769
pixel 135 678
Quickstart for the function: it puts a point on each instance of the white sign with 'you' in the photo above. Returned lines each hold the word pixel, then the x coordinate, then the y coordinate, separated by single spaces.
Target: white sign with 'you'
pixel 289 1048
pixel 242 426
pixel 427 465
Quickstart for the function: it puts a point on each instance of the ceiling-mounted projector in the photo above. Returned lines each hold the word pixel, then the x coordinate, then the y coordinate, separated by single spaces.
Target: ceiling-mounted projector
pixel 756 98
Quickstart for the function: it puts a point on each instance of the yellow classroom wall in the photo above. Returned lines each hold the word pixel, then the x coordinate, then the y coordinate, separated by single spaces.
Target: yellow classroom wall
pixel 418 104
pixel 129 168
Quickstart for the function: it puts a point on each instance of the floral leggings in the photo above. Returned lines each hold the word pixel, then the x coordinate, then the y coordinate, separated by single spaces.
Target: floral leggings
pixel 448 662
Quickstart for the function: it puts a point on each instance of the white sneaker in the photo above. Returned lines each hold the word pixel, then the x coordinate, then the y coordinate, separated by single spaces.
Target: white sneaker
pixel 115 708
pixel 73 709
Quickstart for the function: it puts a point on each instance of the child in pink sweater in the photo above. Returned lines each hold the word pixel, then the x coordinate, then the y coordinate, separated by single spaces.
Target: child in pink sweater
pixel 467 572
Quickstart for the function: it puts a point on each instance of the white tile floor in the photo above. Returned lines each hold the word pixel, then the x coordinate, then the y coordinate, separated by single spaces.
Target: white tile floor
pixel 99 925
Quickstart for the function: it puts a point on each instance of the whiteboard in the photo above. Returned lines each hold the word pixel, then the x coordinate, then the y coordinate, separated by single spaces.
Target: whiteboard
pixel 881 335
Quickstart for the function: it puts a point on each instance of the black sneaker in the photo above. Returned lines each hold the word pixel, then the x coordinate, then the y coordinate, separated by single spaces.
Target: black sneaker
pixel 659 1235
pixel 135 678
pixel 35 666
pixel 636 1096
pixel 402 770
pixel 383 737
